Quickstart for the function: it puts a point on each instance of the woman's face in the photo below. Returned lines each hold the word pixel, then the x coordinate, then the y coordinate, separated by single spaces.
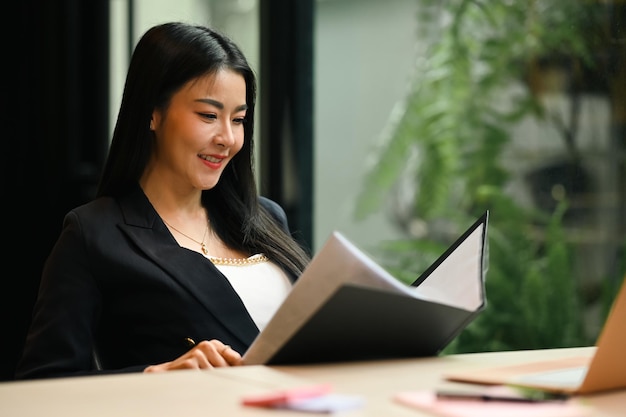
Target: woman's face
pixel 200 131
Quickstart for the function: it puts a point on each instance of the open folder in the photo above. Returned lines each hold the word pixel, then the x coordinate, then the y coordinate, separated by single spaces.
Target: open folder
pixel 346 307
pixel 605 370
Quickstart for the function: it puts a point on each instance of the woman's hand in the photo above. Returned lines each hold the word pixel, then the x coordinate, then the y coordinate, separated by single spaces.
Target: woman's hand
pixel 205 355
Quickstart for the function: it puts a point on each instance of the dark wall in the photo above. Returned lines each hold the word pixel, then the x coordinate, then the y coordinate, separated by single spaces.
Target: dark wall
pixel 55 136
pixel 286 140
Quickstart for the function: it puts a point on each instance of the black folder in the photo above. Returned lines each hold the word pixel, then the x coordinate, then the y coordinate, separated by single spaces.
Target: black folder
pixel 345 307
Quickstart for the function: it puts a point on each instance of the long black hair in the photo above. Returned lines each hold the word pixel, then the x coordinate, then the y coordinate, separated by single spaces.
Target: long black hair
pixel 167 57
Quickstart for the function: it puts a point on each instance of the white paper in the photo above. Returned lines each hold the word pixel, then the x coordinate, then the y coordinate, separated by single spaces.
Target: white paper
pixel 456 282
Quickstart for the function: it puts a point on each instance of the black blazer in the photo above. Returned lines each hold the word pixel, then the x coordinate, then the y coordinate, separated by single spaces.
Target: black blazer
pixel 118 283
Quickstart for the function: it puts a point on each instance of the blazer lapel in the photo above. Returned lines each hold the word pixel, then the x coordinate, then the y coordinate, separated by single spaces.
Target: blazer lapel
pixel 194 272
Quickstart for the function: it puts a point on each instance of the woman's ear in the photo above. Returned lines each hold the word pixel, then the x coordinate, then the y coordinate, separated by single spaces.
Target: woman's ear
pixel 154 120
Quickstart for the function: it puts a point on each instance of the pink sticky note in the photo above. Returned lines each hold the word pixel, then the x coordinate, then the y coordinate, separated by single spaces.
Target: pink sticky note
pixel 282 397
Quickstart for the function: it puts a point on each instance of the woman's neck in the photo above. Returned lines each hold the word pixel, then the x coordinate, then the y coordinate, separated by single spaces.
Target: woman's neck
pixel 172 201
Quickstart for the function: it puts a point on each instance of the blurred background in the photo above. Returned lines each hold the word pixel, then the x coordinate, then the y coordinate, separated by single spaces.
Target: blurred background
pixel 396 123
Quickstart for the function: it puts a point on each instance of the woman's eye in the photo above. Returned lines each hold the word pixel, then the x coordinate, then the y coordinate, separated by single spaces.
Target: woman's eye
pixel 239 120
pixel 211 116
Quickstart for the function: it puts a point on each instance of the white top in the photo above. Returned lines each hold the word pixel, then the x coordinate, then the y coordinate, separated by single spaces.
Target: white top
pixel 262 286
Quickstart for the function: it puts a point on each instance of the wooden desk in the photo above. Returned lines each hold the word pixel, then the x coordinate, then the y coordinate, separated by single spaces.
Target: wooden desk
pixel 218 392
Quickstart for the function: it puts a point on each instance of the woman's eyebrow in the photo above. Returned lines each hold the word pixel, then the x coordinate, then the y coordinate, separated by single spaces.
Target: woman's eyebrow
pixel 219 104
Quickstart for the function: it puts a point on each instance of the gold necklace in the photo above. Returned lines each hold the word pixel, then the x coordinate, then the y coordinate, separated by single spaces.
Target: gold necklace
pixel 202 244
pixel 254 259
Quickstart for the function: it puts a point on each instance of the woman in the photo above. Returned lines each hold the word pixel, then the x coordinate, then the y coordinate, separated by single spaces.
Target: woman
pixel 177 263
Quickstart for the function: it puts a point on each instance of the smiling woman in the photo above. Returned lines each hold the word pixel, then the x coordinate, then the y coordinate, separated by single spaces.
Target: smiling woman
pixel 137 273
pixel 196 136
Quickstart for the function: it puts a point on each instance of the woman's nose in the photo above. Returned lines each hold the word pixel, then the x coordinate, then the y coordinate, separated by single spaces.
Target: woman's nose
pixel 225 135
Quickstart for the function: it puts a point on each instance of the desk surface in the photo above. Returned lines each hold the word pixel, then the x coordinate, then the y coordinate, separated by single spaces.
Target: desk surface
pixel 218 392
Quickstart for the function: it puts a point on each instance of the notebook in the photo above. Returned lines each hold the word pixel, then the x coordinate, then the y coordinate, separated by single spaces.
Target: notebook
pixel 346 307
pixel 605 370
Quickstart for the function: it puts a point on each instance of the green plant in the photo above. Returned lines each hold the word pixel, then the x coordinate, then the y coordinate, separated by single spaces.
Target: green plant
pixel 473 84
